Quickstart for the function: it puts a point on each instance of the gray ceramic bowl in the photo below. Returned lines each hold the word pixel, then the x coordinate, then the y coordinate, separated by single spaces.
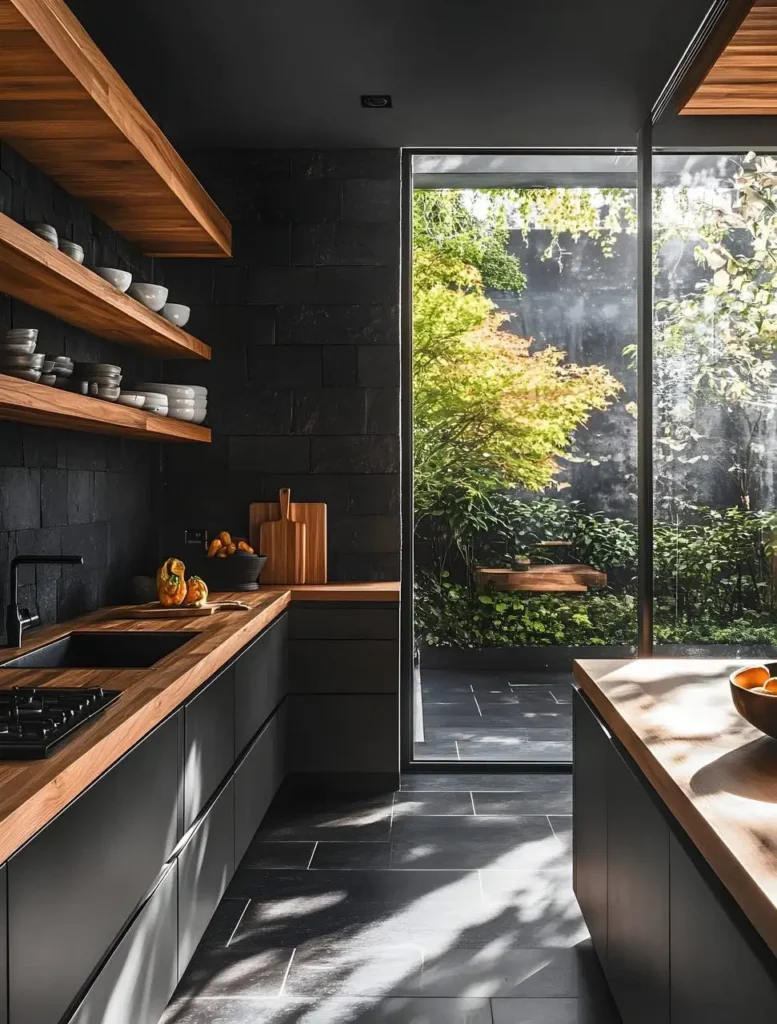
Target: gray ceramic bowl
pixel 97 369
pixel 22 334
pixel 73 250
pixel 176 313
pixel 131 399
pixel 48 379
pixel 120 279
pixel 46 232
pixel 20 362
pixel 37 360
pixel 16 348
pixel 152 296
pixel 31 375
pixel 108 394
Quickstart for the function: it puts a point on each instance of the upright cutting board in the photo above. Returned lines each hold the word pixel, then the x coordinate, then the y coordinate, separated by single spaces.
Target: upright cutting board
pixel 284 541
pixel 313 515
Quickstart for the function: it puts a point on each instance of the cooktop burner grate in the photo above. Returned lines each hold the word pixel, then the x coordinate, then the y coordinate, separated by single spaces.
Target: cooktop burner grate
pixel 33 720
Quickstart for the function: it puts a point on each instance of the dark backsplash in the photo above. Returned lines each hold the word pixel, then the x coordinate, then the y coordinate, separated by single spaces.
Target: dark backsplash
pixel 67 492
pixel 304 381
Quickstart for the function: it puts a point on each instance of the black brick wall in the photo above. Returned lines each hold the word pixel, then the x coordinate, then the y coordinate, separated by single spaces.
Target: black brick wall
pixel 303 321
pixel 66 492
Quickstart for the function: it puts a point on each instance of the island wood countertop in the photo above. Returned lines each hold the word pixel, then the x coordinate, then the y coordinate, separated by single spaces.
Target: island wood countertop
pixel 33 792
pixel 716 774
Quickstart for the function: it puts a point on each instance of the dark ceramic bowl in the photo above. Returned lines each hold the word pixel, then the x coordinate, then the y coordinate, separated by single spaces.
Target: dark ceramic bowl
pixel 238 572
pixel 759 709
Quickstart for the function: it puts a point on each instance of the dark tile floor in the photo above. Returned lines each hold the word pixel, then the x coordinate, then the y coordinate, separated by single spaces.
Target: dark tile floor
pixel 495 716
pixel 449 902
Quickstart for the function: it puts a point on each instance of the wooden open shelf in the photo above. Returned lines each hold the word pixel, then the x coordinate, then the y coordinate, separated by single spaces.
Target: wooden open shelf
pixel 65 109
pixel 37 273
pixel 24 402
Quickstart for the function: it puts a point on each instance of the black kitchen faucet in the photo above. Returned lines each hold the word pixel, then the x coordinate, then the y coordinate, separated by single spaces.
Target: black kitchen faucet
pixel 18 619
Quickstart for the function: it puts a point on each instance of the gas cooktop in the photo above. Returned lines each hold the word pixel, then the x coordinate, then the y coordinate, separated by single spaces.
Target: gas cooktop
pixel 34 720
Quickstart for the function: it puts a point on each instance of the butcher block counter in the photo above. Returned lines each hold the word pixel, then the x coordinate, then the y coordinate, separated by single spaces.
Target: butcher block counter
pixel 33 792
pixel 676 840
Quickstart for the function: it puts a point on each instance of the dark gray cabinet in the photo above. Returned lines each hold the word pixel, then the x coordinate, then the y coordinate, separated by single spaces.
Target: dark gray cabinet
pixel 260 681
pixel 205 865
pixel 141 973
pixel 591 747
pixel 719 973
pixel 3 945
pixel 637 898
pixel 209 742
pixel 674 947
pixel 72 888
pixel 258 777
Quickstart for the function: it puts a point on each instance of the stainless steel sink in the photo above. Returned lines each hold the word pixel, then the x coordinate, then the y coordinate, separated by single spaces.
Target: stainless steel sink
pixel 102 650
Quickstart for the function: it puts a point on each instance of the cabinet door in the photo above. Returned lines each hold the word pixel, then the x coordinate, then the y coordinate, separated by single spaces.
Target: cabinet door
pixel 718 975
pixel 209 742
pixel 257 779
pixel 3 945
pixel 260 681
pixel 637 898
pixel 74 886
pixel 591 744
pixel 140 976
pixel 205 865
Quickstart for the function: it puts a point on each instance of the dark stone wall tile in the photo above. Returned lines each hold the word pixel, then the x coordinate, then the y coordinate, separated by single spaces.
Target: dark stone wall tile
pixel 67 492
pixel 296 398
pixel 375 453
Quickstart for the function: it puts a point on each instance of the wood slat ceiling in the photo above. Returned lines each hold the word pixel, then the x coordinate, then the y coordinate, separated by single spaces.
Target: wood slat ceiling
pixel 743 79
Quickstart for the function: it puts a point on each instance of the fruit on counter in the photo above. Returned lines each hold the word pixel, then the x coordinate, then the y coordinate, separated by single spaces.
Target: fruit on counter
pixel 770 686
pixel 764 691
pixel 196 592
pixel 223 546
pixel 171 583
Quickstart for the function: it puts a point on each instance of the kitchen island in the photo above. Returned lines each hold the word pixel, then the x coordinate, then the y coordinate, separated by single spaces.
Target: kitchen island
pixel 675 841
pixel 115 850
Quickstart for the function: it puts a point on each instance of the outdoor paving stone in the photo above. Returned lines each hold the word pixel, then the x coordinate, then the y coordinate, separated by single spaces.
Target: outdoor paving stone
pixel 415 804
pixel 523 803
pixel 229 972
pixel 322 970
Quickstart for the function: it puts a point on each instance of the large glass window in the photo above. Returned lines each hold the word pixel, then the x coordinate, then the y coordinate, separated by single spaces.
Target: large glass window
pixel 715 398
pixel 524 391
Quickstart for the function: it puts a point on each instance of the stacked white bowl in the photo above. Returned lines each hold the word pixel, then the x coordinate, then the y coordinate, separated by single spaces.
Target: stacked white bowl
pixel 185 401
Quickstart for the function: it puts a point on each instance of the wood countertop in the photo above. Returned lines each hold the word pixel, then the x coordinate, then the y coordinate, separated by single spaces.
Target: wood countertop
pixel 34 792
pixel 716 774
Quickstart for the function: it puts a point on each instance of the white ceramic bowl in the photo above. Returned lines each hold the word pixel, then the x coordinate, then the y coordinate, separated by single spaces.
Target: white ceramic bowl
pixel 176 413
pixel 17 348
pixel 108 394
pixel 180 391
pixel 73 250
pixel 199 390
pixel 153 296
pixel 120 279
pixel 199 415
pixel 152 397
pixel 132 400
pixel 176 313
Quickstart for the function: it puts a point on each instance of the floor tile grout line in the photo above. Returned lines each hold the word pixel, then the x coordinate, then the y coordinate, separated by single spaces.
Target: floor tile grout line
pixel 242 915
pixel 286 973
pixel 476 704
pixel 458 752
pixel 472 800
pixel 312 855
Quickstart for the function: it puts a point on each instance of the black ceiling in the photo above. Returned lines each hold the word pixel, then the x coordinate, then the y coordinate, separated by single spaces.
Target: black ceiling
pixel 272 73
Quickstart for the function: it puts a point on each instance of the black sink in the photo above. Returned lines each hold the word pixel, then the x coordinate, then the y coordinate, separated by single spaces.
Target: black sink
pixel 102 650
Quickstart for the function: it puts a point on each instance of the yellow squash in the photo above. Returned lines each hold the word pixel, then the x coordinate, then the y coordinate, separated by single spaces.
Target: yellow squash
pixel 170 582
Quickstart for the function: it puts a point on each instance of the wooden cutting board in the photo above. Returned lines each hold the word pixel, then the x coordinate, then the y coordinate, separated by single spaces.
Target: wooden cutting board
pixel 157 611
pixel 313 515
pixel 284 542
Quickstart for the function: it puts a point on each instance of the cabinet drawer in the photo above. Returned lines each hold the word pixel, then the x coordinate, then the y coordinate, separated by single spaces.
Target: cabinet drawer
pixel 257 780
pixel 74 886
pixel 209 742
pixel 139 977
pixel 205 865
pixel 260 681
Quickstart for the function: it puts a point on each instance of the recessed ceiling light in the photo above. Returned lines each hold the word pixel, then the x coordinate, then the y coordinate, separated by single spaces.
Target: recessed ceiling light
pixel 376 102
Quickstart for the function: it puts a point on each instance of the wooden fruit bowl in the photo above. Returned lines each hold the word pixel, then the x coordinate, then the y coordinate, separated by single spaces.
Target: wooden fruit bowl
pixel 759 709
